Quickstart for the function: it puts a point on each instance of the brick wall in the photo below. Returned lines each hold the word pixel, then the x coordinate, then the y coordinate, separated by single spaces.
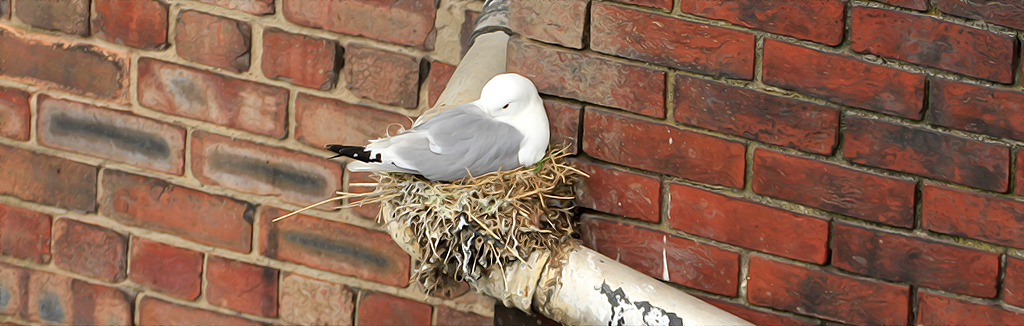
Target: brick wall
pixel 792 162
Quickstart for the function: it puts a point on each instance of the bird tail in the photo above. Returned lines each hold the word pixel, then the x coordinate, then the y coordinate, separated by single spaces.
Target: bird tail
pixel 356 152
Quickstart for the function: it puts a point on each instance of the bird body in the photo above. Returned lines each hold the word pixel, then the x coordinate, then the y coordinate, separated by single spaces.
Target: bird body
pixel 503 130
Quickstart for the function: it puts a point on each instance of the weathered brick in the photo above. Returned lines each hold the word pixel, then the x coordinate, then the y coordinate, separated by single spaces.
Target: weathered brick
pixel 299 59
pixel 437 79
pixel 15 115
pixel 755 115
pixel 334 247
pixel 843 80
pixel 168 269
pixel 382 76
pixel 1013 283
pixel 826 294
pixel 757 317
pixel 90 250
pixel 977 108
pixel 5 9
pixel 557 22
pixel 661 148
pixel 197 94
pixel 935 309
pixel 241 286
pixel 158 312
pixel 1020 173
pixel 661 4
pixel 965 214
pixel 59 299
pixel 671 42
pixel 74 67
pixel 589 78
pixel 834 188
pixel 49 298
pixel 468 25
pixel 385 309
pixel 25 234
pixel 368 210
pixel 1009 13
pixel 160 206
pixel 308 301
pixel 320 121
pixel 394 21
pixel 293 177
pixel 928 153
pixel 255 7
pixel 110 134
pixel 618 191
pixel 932 42
pixel 564 124
pixel 912 4
pixel 68 16
pixel 689 263
pixel 138 24
pixel 213 41
pixel 449 316
pixel 748 224
pixel 818 21
pixel 13 291
pixel 47 179
pixel 919 261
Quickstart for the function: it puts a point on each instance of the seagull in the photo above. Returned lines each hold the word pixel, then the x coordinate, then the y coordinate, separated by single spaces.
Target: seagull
pixel 503 130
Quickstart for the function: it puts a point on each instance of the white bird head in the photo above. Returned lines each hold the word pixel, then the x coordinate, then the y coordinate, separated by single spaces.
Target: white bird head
pixel 507 95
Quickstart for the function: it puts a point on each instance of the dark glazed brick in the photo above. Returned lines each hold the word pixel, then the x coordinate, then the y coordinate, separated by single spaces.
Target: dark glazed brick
pixel 68 16
pixel 931 42
pixel 671 42
pixel 977 108
pixel 90 250
pixel 935 309
pixel 927 153
pixel 255 7
pixel 241 286
pixel 384 309
pixel 843 80
pixel 755 115
pixel 558 22
pixel 914 260
pixel 165 268
pixel 15 114
pixel 1009 13
pixel 406 22
pixel 660 148
pixel 826 294
pixel 819 21
pixel 834 188
pixel 137 23
pixel 383 76
pixel 299 59
pixel 47 179
pixel 978 216
pixel 213 41
pixel 24 234
pixel 618 192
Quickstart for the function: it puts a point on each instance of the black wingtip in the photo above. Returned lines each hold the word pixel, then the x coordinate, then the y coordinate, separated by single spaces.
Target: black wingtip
pixel 356 152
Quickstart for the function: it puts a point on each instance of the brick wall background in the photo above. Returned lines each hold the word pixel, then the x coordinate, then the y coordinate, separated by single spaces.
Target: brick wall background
pixel 792 162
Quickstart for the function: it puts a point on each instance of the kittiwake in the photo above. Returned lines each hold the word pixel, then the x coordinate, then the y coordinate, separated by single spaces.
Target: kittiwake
pixel 503 130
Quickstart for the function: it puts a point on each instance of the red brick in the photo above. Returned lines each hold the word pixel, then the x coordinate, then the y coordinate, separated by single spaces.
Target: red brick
pixel 244 166
pixel 965 214
pixel 1020 173
pixel 368 210
pixel 1009 13
pixel 931 42
pixel 47 179
pixel 670 258
pixel 5 9
pixel 661 148
pixel 935 309
pixel 619 192
pixel 556 22
pixel 320 121
pixel 437 79
pixel 748 224
pixel 394 21
pixel 977 108
pixel 160 206
pixel 818 21
pixel 758 317
pixel 912 4
pixel 55 63
pixel 110 134
pixel 755 115
pixel 100 305
pixel 255 7
pixel 383 76
pixel 59 299
pixel 1013 284
pixel 334 247
pixel 13 281
pixel 15 114
pixel 241 286
pixel 168 269
pixel 661 4
pixel 158 312
pixel 564 124
pixel 671 42
pixel 468 25
pixel 213 41
pixel 826 294
pixel 299 59
pixel 894 257
pixel 138 24
pixel 843 80
pixel 927 153
pixel 49 298
pixel 834 188
pixel 308 301
pixel 589 78
pixel 69 16
pixel 449 316
pixel 25 234
pixel 213 98
pixel 384 309
pixel 90 250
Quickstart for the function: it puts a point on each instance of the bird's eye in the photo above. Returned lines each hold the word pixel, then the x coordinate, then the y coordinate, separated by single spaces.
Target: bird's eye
pixel 506 106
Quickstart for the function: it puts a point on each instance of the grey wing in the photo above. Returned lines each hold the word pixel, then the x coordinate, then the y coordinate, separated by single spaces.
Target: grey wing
pixel 460 140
